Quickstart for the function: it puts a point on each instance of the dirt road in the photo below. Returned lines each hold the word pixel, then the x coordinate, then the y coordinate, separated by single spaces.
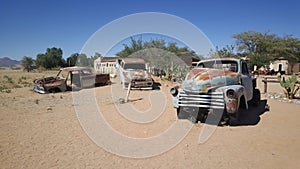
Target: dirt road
pixel 42 131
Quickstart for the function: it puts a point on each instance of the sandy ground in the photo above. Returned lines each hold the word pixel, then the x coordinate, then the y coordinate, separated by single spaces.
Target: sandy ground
pixel 43 131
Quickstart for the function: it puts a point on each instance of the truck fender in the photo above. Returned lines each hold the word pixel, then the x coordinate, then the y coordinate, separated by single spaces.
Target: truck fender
pixel 232 98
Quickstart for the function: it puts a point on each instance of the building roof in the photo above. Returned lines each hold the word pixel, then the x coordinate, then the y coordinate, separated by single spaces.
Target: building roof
pixel 107 59
pixel 134 60
pixel 235 59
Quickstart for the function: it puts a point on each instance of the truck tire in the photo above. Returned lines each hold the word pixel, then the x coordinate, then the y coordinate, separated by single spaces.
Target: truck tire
pixel 234 119
pixel 189 113
pixel 255 101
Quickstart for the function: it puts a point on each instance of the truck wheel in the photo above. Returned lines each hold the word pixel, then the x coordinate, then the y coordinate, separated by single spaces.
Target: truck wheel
pixel 190 113
pixel 225 120
pixel 234 119
pixel 202 116
pixel 255 101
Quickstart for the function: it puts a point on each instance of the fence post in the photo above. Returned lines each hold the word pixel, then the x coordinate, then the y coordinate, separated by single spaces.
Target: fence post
pixel 265 85
pixel 128 91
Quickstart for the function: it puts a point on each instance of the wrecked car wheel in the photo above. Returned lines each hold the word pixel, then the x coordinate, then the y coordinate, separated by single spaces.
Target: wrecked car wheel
pixel 54 90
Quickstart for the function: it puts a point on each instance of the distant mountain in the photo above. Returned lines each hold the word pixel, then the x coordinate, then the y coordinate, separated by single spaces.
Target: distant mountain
pixel 7 62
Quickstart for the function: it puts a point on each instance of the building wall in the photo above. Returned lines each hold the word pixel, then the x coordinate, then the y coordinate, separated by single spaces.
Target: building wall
pixel 289 68
pixel 296 68
pixel 105 66
pixel 283 64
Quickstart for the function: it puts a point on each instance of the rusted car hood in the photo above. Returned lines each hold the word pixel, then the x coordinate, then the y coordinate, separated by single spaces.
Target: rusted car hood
pixel 136 74
pixel 49 81
pixel 43 83
pixel 203 79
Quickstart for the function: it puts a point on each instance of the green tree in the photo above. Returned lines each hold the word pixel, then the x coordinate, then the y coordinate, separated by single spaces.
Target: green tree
pixel 137 45
pixel 172 47
pixel 267 45
pixel 40 60
pixel 93 58
pixel 227 51
pixel 71 61
pixel 159 44
pixel 54 58
pixel 77 59
pixel 82 60
pixel 247 41
pixel 51 59
pixel 262 48
pixel 28 63
pixel 258 60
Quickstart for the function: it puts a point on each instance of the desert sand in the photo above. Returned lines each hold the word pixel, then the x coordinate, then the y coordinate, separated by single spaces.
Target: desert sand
pixel 43 131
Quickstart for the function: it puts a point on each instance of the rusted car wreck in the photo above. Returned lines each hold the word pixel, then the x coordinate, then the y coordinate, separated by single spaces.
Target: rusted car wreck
pixel 223 84
pixel 70 78
pixel 133 70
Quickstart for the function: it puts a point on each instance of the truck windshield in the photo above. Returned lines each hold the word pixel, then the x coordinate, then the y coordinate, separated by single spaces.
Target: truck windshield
pixel 220 64
pixel 134 66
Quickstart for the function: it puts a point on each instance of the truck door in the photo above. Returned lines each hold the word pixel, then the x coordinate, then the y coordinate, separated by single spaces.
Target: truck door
pixel 246 80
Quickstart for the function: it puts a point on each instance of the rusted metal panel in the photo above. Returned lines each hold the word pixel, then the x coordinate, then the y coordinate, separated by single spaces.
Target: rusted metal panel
pixel 203 79
pixel 207 73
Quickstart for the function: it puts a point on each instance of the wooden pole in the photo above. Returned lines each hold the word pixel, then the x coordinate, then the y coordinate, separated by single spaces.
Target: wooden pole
pixel 265 84
pixel 128 92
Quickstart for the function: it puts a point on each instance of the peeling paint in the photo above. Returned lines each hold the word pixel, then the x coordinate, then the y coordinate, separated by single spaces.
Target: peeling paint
pixel 203 79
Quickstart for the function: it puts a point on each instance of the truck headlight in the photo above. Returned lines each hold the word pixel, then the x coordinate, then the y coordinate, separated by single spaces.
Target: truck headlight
pixel 174 91
pixel 230 93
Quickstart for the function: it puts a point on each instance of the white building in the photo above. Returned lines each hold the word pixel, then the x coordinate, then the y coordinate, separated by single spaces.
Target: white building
pixel 283 65
pixel 106 65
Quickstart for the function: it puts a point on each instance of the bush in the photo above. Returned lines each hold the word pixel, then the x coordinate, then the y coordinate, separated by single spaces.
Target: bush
pixel 8 79
pixel 4 89
pixel 289 85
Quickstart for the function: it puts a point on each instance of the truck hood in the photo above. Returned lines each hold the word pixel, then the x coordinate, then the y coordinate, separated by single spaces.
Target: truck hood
pixel 136 74
pixel 204 79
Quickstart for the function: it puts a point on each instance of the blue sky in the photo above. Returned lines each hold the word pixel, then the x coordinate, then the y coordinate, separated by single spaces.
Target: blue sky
pixel 29 27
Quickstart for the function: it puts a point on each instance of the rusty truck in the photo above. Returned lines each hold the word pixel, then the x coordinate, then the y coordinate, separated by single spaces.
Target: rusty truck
pixel 133 70
pixel 217 84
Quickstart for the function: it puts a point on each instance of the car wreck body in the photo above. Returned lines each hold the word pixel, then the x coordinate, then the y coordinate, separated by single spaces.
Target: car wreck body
pixel 133 70
pixel 70 78
pixel 218 84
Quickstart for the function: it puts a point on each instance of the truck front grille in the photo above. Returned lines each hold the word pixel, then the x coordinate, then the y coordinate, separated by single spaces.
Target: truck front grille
pixel 213 100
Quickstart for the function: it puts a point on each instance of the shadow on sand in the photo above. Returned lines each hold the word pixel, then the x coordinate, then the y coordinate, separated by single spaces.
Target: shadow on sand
pixel 250 116
pixel 156 86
